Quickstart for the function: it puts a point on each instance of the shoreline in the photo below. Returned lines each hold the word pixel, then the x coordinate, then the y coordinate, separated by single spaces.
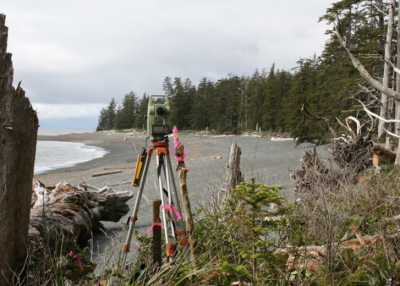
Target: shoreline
pixel 121 148
pixel 269 162
pixel 206 152
pixel 120 154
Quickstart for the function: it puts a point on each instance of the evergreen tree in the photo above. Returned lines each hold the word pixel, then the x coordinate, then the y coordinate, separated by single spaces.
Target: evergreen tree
pixel 189 95
pixel 168 86
pixel 107 117
pixel 141 122
pixel 126 114
pixel 181 101
pixel 225 115
pixel 270 106
pixel 118 118
pixel 302 91
pixel 255 99
pixel 282 86
pixel 102 123
pixel 244 94
pixel 200 111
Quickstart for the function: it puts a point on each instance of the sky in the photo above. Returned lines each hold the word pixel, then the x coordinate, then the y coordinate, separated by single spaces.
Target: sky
pixel 74 56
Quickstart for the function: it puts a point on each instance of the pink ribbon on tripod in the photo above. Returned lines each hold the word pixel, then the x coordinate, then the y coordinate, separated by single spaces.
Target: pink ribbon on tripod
pixel 172 209
pixel 154 224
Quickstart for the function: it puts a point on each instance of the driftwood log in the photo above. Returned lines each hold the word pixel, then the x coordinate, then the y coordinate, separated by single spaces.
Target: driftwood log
pixel 74 212
pixel 312 257
pixel 106 173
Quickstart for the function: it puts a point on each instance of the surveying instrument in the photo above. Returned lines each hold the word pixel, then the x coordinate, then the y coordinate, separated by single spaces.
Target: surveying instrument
pixel 158 126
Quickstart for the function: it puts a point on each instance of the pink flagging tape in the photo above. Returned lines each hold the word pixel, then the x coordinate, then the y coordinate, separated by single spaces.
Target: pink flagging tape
pixel 154 224
pixel 172 209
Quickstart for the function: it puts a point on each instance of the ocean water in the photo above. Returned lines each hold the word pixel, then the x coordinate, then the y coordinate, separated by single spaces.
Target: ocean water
pixel 52 155
pixel 62 131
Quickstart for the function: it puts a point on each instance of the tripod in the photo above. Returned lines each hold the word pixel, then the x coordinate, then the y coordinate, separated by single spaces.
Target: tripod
pixel 174 229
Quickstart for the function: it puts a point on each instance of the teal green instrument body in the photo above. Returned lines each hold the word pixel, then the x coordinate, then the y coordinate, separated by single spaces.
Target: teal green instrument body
pixel 158 117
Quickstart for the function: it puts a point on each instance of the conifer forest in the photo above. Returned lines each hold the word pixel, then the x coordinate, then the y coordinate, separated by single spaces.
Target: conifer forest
pixel 271 98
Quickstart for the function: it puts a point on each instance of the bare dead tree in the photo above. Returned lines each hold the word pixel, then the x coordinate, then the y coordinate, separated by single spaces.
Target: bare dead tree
pixel 18 134
pixel 386 71
pixel 397 104
pixel 387 94
pixel 364 73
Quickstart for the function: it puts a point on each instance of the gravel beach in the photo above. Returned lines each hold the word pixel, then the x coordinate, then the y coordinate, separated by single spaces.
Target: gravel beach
pixel 269 162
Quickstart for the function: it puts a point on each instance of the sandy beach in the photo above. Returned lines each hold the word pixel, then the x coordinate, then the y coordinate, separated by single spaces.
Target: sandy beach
pixel 206 158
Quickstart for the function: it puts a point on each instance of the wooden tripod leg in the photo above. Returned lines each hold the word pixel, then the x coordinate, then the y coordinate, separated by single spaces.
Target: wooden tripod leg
pixel 156 234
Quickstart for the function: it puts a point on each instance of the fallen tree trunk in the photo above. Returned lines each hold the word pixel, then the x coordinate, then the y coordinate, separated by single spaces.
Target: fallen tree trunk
pixel 74 212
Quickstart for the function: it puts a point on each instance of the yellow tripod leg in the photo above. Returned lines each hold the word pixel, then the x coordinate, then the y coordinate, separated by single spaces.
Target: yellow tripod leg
pixel 138 170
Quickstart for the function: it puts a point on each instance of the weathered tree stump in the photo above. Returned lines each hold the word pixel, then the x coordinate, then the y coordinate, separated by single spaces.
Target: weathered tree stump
pixel 233 175
pixel 75 212
pixel 18 134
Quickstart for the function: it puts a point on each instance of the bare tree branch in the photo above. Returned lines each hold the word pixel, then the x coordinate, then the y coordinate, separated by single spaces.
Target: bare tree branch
pixel 357 122
pixel 391 134
pixel 305 111
pixel 364 73
pixel 365 89
pixel 369 112
pixel 380 10
pixel 395 69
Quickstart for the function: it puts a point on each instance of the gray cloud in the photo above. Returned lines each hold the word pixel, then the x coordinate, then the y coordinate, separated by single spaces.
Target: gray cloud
pixel 83 53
